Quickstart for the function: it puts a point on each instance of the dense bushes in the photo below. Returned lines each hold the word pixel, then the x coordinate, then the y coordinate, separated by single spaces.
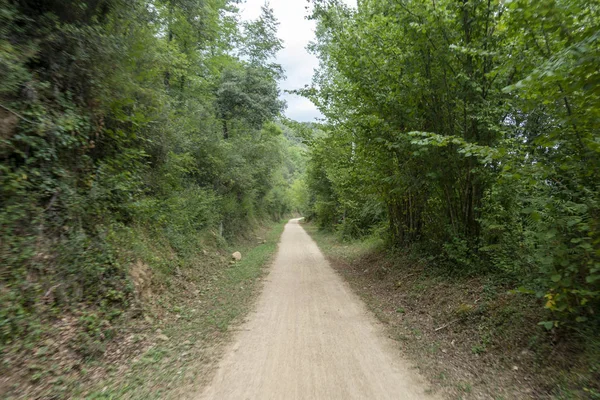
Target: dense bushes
pixel 471 129
pixel 124 117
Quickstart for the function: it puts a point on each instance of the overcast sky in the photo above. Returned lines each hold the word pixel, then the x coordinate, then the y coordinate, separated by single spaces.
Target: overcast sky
pixel 296 31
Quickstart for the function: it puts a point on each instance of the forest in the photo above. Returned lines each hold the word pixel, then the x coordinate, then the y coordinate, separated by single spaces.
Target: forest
pixel 467 131
pixel 152 132
pixel 129 129
pixel 464 136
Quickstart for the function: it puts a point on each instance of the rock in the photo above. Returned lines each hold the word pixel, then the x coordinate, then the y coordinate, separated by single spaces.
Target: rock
pixel 237 256
pixel 205 252
pixel 163 337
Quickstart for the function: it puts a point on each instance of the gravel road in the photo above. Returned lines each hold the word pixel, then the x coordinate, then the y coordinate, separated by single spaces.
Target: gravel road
pixel 311 337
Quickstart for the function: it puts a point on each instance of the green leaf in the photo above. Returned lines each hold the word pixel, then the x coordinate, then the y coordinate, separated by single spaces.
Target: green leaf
pixel 547 324
pixel 592 278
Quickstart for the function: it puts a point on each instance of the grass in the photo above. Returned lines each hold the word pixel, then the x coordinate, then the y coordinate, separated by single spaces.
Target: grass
pixel 172 334
pixel 469 335
pixel 173 368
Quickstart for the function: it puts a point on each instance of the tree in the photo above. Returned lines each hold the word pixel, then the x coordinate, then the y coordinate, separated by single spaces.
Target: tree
pixel 472 125
pixel 261 44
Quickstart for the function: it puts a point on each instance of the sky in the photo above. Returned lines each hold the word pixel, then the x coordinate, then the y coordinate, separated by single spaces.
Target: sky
pixel 296 32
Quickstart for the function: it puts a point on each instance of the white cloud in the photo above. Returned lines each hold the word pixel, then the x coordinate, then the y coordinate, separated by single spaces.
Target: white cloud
pixel 296 32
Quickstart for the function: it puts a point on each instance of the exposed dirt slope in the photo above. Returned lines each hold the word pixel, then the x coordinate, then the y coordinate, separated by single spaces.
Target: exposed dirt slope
pixel 311 338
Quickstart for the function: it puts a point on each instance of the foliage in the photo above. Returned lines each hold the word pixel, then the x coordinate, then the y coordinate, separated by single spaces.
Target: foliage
pixel 125 116
pixel 471 130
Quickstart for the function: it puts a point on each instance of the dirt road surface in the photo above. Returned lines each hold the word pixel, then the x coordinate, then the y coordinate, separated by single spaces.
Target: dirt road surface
pixel 310 338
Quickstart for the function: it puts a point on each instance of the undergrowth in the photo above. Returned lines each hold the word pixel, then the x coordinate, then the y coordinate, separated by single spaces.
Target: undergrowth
pixel 179 309
pixel 465 330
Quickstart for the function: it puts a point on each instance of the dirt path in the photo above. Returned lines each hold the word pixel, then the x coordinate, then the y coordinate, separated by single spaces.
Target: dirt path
pixel 311 338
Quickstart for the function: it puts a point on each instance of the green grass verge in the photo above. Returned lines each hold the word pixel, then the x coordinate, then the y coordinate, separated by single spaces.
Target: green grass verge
pixel 199 310
pixel 342 250
pixel 472 337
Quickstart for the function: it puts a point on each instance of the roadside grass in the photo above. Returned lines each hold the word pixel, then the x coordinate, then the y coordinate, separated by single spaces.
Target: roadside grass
pixel 196 314
pixel 168 341
pixel 472 337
